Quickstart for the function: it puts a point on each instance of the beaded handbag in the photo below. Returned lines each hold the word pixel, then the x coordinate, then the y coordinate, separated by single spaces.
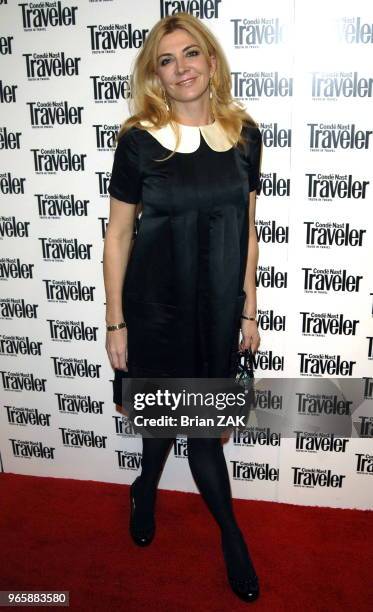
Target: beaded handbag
pixel 245 366
pixel 245 378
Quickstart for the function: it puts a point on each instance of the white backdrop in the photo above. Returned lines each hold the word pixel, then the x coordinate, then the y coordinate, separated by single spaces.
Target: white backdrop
pixel 304 71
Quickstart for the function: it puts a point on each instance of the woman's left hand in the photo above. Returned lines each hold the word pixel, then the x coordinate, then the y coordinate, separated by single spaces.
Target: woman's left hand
pixel 250 336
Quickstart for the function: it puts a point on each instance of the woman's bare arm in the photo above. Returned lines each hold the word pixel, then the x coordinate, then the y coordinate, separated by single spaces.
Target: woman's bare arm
pixel 252 262
pixel 249 329
pixel 117 248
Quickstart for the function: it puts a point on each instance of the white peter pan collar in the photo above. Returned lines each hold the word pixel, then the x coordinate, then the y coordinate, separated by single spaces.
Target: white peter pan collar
pixel 213 134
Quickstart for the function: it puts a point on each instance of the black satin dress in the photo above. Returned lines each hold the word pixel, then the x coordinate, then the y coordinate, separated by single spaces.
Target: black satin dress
pixel 183 291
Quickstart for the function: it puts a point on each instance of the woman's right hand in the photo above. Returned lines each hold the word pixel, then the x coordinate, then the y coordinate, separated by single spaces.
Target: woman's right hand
pixel 116 348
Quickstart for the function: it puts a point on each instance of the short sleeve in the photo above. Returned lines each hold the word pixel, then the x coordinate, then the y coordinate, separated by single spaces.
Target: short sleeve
pixel 254 152
pixel 125 182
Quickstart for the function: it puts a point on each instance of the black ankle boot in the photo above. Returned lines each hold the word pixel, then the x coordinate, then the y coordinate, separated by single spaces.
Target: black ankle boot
pixel 244 582
pixel 142 535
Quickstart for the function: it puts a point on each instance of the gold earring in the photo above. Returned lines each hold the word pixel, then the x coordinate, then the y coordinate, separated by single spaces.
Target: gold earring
pixel 165 100
pixel 211 86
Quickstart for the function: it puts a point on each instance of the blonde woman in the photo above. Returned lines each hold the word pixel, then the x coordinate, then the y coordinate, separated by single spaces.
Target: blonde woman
pixel 179 293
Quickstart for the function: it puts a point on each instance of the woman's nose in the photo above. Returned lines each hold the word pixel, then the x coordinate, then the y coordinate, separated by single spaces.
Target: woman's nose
pixel 180 65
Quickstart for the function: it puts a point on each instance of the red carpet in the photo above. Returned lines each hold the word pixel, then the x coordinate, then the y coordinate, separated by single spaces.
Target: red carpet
pixel 73 535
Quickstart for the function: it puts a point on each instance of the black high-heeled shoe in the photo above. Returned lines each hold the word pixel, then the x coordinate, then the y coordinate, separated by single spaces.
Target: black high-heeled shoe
pixel 245 587
pixel 141 535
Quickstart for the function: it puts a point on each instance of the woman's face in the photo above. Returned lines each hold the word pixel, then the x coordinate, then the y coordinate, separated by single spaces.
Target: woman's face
pixel 182 68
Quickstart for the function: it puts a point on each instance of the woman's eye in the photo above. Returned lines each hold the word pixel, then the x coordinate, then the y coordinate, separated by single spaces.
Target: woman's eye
pixel 166 60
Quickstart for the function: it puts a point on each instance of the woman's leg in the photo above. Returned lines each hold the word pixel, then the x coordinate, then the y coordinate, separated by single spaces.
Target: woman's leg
pixel 209 469
pixel 154 454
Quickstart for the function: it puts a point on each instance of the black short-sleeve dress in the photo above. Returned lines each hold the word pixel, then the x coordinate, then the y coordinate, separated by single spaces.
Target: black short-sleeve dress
pixel 183 289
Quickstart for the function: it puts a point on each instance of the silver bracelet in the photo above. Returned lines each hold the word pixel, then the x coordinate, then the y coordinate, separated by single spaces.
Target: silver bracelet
pixel 116 326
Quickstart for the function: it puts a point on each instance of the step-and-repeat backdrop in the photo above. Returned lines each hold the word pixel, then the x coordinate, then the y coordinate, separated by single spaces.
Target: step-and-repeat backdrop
pixel 304 72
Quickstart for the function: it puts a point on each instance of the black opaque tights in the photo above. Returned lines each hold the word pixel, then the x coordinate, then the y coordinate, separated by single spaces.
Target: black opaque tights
pixel 209 469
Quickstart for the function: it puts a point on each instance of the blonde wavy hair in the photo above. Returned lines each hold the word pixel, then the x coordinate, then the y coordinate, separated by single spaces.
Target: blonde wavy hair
pixel 148 102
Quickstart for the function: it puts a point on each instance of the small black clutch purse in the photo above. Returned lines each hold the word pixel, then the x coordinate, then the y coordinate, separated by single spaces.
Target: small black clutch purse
pixel 245 378
pixel 245 365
